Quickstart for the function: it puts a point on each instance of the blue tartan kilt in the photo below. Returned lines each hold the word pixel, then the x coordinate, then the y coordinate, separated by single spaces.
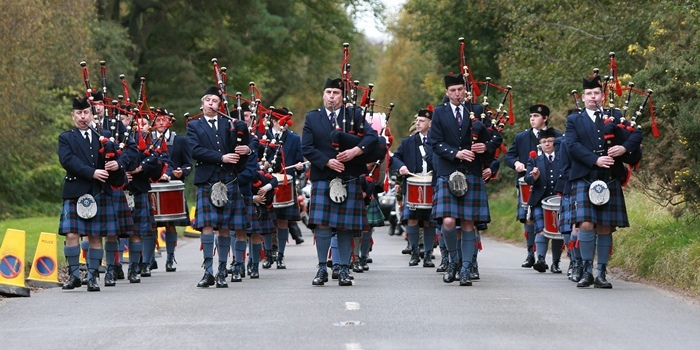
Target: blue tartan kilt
pixel 232 216
pixel 565 214
pixel 262 220
pixel 144 222
pixel 375 217
pixel 613 213
pixel 124 219
pixel 473 206
pixel 290 213
pixel 538 214
pixel 350 215
pixel 521 213
pixel 104 224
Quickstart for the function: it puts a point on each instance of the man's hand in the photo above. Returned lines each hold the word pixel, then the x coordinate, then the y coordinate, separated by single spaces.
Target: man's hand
pixel 100 175
pixel 605 162
pixel 348 155
pixel 112 165
pixel 403 170
pixel 486 174
pixel 242 150
pixel 616 151
pixel 478 147
pixel 465 154
pixel 336 165
pixel 519 167
pixel 535 173
pixel 231 158
pixel 177 173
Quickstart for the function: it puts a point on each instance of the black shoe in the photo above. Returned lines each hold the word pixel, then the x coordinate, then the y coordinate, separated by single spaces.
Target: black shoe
pixel 299 240
pixel 92 285
pixel 587 277
pixel 335 272
pixel 356 268
pixel 254 271
pixel 450 273
pixel 249 267
pixel 236 273
pixel 154 264
pixel 206 281
pixel 464 279
pixel 329 263
pixel 109 276
pixel 428 262
pixel 601 281
pixel 280 261
pixel 242 270
pixel 220 279
pixel 369 259
pixel 577 272
pixel 321 276
pixel 344 276
pixel 415 258
pixel 529 261
pixel 570 270
pixel 363 264
pixel 72 283
pixel 269 259
pixel 474 272
pixel 119 271
pixel 84 280
pixel 444 260
pixel 555 267
pixel 145 270
pixel 540 265
pixel 407 250
pixel 169 263
pixel 133 272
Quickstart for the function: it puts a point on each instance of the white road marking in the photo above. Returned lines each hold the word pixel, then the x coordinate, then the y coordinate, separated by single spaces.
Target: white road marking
pixel 352 306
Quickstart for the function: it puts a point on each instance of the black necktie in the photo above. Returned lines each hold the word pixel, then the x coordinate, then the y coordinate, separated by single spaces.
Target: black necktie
pixel 332 117
pixel 425 140
pixel 551 158
pixel 87 136
pixel 598 120
pixel 537 134
pixel 213 124
pixel 458 115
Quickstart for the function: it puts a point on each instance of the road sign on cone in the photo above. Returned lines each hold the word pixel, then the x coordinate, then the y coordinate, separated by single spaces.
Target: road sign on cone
pixel 44 272
pixel 160 242
pixel 12 254
pixel 189 230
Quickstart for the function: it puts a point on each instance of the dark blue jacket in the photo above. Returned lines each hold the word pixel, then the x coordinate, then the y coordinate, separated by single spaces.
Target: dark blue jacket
pixel 80 161
pixel 447 138
pixel 547 181
pixel 525 141
pixel 207 149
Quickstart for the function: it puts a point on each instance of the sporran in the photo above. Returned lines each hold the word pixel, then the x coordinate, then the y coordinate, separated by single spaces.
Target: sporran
pixel 599 193
pixel 337 191
pixel 219 194
pixel 458 184
pixel 130 200
pixel 86 207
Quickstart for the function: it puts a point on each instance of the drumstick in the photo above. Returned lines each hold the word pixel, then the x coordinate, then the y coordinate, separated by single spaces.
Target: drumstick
pixel 292 166
pixel 426 174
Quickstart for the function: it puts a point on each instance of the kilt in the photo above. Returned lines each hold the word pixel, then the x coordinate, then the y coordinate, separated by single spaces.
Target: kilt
pixel 291 213
pixel 124 219
pixel 104 224
pixel 613 213
pixel 521 213
pixel 232 216
pixel 350 215
pixel 144 222
pixel 565 214
pixel 538 214
pixel 262 220
pixel 473 206
pixel 375 217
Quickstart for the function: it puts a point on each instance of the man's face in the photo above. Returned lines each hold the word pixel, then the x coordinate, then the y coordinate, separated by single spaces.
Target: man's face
pixel 592 98
pixel 126 119
pixel 537 121
pixel 547 144
pixel 99 108
pixel 422 124
pixel 210 104
pixel 162 124
pixel 248 118
pixel 82 118
pixel 332 98
pixel 456 94
pixel 144 124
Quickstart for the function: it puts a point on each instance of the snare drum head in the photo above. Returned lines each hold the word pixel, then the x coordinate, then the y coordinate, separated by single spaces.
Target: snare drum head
pixel 551 203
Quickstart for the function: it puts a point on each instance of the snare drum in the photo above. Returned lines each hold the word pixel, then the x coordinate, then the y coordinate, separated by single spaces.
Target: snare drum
pixel 523 192
pixel 550 208
pixel 168 201
pixel 284 194
pixel 419 192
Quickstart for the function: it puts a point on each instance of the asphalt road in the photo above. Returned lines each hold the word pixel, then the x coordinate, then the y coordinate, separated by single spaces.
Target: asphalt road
pixel 392 306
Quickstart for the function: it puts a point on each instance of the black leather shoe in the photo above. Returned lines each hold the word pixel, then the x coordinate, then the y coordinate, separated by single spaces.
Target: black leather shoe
pixel 577 272
pixel 474 272
pixel 369 259
pixel 601 281
pixel 363 264
pixel 529 261
pixel 145 270
pixel 428 262
pixel 299 240
pixel 242 270
pixel 109 276
pixel 206 281
pixel 133 272
pixel 415 259
pixel 249 267
pixel 344 276
pixel 169 263
pixel 540 265
pixel 280 261
pixel 269 259
pixel 587 277
pixel 335 273
pixel 321 276
pixel 92 285
pixel 406 250
pixel 236 273
pixel 72 283
pixel 464 279
pixel 555 268
pixel 119 271
pixel 570 270
pixel 356 268
pixel 254 271
pixel 329 263
pixel 450 273
pixel 154 264
pixel 220 279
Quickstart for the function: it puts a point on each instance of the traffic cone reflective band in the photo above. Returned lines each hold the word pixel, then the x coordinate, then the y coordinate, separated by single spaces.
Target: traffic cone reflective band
pixel 12 254
pixel 160 240
pixel 44 270
pixel 189 230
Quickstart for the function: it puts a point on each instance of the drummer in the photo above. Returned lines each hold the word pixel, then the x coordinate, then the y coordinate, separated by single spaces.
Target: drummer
pixel 415 156
pixel 542 175
pixel 181 167
pixel 516 158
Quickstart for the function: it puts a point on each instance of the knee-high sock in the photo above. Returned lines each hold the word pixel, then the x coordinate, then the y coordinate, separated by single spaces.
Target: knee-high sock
pixel 605 243
pixel 441 240
pixel 557 245
pixel 468 247
pixel 541 242
pixel 94 256
pixel 135 250
pixel 344 247
pixel 208 249
pixel 72 254
pixel 428 238
pixel 223 246
pixel 357 244
pixel 149 248
pixel 323 244
pixel 110 252
pixel 575 251
pixel 123 243
pixel 255 254
pixel 412 233
pixel 85 246
pixel 477 241
pixel 459 249
pixel 282 237
pixel 335 256
pixel 530 240
pixel 450 237
pixel 366 243
pixel 239 252
pixel 587 244
pixel 267 240
pixel 170 241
